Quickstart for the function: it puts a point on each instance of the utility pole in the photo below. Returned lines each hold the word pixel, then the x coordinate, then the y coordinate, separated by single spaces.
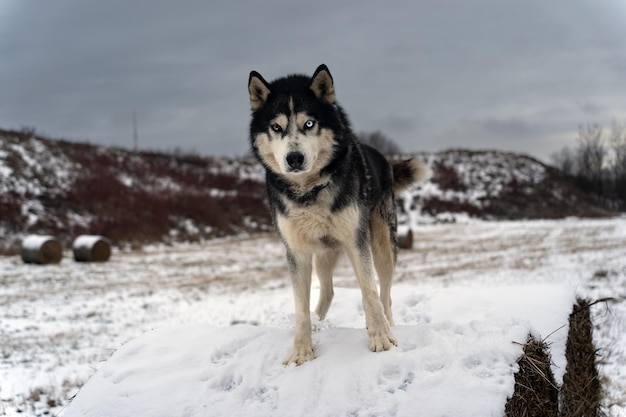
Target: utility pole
pixel 135 134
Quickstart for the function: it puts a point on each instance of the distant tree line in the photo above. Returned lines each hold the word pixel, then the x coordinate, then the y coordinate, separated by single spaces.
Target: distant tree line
pixel 380 141
pixel 598 163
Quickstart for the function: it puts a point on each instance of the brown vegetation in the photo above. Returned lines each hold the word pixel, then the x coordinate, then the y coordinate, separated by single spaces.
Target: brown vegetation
pixel 536 393
pixel 581 390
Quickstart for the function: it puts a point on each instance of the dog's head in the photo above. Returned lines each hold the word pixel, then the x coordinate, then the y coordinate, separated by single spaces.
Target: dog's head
pixel 294 122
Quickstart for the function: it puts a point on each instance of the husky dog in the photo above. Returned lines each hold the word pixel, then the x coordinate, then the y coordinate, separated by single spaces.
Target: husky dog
pixel 328 194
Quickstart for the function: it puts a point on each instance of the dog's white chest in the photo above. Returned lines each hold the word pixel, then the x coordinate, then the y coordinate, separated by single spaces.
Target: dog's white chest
pixel 314 227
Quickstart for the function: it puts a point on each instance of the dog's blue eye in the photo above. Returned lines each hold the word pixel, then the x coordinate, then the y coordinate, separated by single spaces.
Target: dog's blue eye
pixel 276 127
pixel 309 124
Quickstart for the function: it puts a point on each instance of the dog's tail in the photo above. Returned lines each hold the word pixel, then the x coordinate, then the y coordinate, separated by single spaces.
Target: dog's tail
pixel 407 173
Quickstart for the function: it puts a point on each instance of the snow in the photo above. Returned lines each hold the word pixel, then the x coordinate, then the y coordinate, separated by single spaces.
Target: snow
pixel 202 329
pixel 87 241
pixel 34 242
pixel 451 347
pixel 472 178
pixel 5 171
pixel 43 170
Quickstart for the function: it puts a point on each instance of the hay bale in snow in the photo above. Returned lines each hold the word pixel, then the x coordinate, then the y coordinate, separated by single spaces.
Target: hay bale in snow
pixel 91 248
pixel 41 249
pixel 405 237
pixel 581 391
pixel 536 393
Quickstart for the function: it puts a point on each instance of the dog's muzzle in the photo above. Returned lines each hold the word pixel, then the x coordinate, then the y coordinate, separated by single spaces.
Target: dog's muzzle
pixel 295 161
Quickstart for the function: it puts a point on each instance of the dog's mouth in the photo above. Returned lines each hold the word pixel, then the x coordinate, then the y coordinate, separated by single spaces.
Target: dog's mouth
pixel 296 172
pixel 295 163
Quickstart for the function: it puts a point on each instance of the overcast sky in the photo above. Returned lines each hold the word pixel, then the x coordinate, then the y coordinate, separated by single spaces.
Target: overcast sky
pixel 430 74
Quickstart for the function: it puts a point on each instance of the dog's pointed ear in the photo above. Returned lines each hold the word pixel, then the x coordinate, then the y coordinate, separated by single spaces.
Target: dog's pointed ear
pixel 259 89
pixel 322 84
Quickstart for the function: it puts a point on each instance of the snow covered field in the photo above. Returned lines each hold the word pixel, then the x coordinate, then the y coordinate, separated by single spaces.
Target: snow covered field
pixel 197 330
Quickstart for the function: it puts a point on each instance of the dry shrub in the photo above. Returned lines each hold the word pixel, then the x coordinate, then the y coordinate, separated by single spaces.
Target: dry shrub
pixel 447 177
pixel 536 393
pixel 581 390
pixel 436 205
pixel 11 209
pixel 147 211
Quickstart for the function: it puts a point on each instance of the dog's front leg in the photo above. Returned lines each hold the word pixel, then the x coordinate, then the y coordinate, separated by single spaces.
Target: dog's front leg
pixel 300 267
pixel 380 336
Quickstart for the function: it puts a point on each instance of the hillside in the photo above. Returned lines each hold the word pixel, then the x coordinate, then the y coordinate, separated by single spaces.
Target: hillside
pixel 495 185
pixel 66 189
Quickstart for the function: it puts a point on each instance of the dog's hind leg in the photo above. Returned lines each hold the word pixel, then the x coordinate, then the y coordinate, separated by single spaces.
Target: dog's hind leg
pixel 384 261
pixel 324 265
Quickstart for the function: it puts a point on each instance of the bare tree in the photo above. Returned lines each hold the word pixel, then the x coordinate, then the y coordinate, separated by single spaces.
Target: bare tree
pixel 565 160
pixel 591 155
pixel 618 146
pixel 380 141
pixel 597 167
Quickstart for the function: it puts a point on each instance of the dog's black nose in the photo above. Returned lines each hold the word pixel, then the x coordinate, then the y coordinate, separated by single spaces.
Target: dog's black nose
pixel 295 160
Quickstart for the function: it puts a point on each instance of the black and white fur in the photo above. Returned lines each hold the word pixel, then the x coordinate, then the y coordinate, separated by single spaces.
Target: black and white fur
pixel 328 194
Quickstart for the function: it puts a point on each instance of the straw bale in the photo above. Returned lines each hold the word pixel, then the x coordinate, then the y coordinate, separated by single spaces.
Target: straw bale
pixel 405 237
pixel 91 248
pixel 581 391
pixel 41 249
pixel 535 393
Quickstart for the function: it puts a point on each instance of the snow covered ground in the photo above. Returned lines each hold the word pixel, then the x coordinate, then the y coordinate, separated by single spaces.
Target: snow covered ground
pixel 196 330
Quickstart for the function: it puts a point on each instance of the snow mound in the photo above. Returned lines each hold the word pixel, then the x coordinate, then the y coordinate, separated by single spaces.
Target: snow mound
pixel 456 355
pixel 202 370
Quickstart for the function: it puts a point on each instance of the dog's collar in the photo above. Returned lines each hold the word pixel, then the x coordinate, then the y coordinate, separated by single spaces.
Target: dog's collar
pixel 307 197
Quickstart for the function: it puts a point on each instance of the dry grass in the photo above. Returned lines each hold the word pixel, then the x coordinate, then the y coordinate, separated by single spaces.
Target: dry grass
pixel 536 392
pixel 581 391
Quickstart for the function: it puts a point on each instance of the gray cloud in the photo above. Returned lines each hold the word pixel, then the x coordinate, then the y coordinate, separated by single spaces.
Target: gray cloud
pixel 466 73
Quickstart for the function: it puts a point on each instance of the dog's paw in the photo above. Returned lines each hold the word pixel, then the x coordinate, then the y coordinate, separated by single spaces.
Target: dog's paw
pixel 300 356
pixel 381 340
